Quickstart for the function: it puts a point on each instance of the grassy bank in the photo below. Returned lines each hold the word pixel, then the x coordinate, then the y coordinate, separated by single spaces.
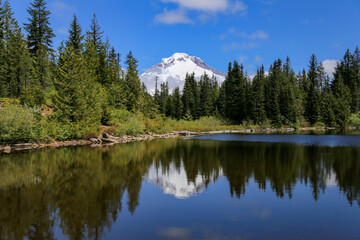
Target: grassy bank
pixel 19 124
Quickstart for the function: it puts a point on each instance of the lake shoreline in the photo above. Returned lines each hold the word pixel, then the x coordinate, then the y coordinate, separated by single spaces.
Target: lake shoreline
pixel 107 140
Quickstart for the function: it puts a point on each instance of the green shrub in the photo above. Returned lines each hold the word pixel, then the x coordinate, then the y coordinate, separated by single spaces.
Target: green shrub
pixel 355 120
pixel 21 124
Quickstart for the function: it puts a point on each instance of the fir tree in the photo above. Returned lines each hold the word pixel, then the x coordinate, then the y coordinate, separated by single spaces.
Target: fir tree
pixel 272 97
pixel 76 37
pixel 157 93
pixel 16 61
pixel 327 106
pixel 206 96
pixel 78 97
pixel 96 49
pixel 236 88
pixel 257 101
pixel 342 100
pixel 116 80
pixel 132 83
pixel 190 96
pixel 312 105
pixel 39 31
pixel 177 107
pixel 288 94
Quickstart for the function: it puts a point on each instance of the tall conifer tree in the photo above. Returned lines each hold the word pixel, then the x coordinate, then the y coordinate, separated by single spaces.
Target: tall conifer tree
pixel 132 82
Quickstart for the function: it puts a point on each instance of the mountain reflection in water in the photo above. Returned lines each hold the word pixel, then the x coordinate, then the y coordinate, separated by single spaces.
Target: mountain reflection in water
pixel 82 192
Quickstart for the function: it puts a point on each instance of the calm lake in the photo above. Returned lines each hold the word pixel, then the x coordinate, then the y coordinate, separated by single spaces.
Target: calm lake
pixel 226 186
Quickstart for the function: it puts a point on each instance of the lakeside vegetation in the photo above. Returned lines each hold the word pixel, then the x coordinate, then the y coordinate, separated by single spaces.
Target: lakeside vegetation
pixel 81 88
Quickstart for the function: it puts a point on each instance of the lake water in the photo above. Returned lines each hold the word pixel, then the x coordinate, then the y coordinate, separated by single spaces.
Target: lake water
pixel 225 186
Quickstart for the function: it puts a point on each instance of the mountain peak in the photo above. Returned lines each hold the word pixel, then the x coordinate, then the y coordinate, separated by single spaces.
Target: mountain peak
pixel 174 69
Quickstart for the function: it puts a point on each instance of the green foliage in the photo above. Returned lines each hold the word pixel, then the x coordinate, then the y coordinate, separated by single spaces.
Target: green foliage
pixel 235 93
pixel 87 87
pixel 127 123
pixel 20 124
pixel 40 34
pixel 355 119
pixel 132 83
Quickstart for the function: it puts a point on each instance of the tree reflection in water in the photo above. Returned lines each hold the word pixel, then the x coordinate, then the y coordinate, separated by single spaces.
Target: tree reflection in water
pixel 81 189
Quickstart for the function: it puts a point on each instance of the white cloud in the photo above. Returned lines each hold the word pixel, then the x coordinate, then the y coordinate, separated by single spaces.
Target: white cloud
pixel 173 17
pixel 62 9
pixel 240 7
pixel 259 34
pixel 202 5
pixel 243 58
pixel 329 66
pixel 258 59
pixel 63 31
pixel 202 9
pixel 237 46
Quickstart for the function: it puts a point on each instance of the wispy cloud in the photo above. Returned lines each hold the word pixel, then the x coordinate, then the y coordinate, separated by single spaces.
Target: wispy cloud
pixel 238 46
pixel 173 17
pixel 329 66
pixel 201 9
pixel 232 32
pixel 63 31
pixel 258 59
pixel 62 9
pixel 201 5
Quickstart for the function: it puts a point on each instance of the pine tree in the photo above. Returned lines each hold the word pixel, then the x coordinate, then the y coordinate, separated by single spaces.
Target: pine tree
pixel 16 61
pixel 116 80
pixel 39 31
pixel 191 96
pixel 206 96
pixel 39 38
pixel 164 99
pixel 132 83
pixel 76 37
pixel 272 96
pixel 257 101
pixel 96 50
pixel 78 99
pixel 342 100
pixel 177 108
pixel 288 92
pixel 356 70
pixel 3 85
pixel 236 91
pixel 312 105
pixel 327 105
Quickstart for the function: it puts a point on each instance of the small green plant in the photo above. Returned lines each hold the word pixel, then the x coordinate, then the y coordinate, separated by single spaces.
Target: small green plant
pixel 355 120
pixel 20 124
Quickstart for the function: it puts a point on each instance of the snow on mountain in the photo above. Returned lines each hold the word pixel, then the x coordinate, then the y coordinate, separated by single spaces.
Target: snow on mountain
pixel 174 69
pixel 175 182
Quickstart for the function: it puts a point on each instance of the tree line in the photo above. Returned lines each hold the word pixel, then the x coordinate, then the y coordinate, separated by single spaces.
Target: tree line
pixel 277 97
pixel 84 82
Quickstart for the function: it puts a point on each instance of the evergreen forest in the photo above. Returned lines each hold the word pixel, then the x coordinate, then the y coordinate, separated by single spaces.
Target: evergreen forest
pixel 81 87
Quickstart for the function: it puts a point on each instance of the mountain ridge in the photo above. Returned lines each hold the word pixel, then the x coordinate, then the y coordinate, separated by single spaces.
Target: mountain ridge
pixel 174 69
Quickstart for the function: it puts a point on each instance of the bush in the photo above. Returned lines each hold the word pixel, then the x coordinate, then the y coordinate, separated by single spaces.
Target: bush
pixel 133 126
pixel 21 124
pixel 126 123
pixel 355 120
pixel 63 131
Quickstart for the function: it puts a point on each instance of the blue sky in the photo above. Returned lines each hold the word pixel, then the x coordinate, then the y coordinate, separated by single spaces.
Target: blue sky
pixel 254 32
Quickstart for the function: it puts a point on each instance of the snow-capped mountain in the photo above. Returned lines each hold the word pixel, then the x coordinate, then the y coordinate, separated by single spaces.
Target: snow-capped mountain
pixel 174 181
pixel 174 69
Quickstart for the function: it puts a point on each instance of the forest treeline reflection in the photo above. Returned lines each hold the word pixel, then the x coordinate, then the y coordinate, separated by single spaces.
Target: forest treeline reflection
pixel 83 190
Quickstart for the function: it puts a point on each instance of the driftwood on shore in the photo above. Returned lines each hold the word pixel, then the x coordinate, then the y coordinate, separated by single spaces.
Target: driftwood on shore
pixel 107 139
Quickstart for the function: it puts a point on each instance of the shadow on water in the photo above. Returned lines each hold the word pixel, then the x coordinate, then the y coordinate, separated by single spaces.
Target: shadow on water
pixel 83 190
